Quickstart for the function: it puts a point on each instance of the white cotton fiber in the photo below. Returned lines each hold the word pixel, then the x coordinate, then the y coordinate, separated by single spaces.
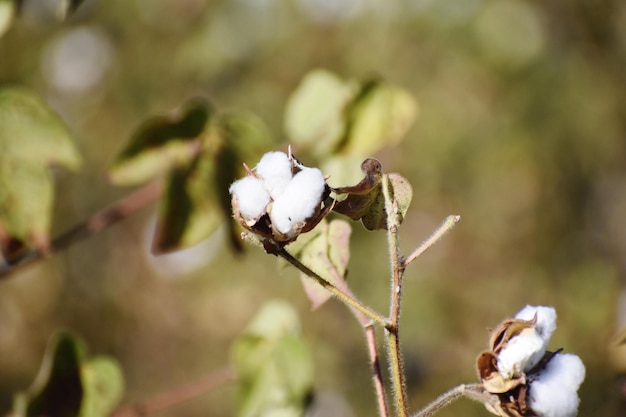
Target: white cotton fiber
pixel 299 200
pixel 553 393
pixel 521 353
pixel 546 319
pixel 274 169
pixel 252 197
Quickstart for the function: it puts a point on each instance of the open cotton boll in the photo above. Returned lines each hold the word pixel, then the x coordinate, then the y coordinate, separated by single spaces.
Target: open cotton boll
pixel 275 170
pixel 553 392
pixel 252 197
pixel 299 201
pixel 521 353
pixel 546 320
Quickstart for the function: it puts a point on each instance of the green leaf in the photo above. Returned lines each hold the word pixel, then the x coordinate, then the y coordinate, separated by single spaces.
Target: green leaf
pixel 57 390
pixel 189 210
pixel 273 363
pixel 379 116
pixel 69 385
pixel 32 132
pixel 327 253
pixel 161 144
pixel 366 200
pixel 32 138
pixel 103 384
pixel 315 111
pixel 7 15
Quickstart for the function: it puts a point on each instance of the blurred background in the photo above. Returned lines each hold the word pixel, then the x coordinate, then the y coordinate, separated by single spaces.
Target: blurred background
pixel 522 131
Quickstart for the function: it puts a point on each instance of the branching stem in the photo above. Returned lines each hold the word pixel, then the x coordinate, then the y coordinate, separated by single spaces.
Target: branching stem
pixel 101 220
pixel 342 296
pixel 472 391
pixel 443 228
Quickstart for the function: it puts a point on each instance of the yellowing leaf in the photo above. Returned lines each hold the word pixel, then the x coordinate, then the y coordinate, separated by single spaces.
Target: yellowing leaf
pixel 315 112
pixel 103 384
pixel 7 15
pixel 161 144
pixel 32 138
pixel 381 115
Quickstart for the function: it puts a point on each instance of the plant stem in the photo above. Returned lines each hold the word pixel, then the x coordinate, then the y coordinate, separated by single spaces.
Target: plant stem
pixel 443 228
pixel 177 396
pixel 392 331
pixel 472 391
pixel 101 220
pixel 347 299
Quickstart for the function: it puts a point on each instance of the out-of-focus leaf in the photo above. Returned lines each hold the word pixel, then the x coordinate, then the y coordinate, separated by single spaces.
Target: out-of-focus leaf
pixel 380 115
pixel 103 384
pixel 32 132
pixel 327 253
pixel 366 200
pixel 7 15
pixel 244 137
pixel 315 112
pixel 67 7
pixel 57 390
pixel 189 210
pixel 32 137
pixel 273 363
pixel 69 385
pixel 162 144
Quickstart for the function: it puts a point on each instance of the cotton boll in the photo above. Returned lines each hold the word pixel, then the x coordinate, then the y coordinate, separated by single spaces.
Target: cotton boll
pixel 299 201
pixel 521 353
pixel 251 196
pixel 275 170
pixel 546 320
pixel 553 392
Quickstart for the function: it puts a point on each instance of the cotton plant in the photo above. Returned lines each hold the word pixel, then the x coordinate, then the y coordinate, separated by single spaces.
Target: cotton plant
pixel 280 199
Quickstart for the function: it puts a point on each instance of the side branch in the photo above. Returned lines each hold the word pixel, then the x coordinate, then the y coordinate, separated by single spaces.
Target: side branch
pixel 443 228
pixel 101 220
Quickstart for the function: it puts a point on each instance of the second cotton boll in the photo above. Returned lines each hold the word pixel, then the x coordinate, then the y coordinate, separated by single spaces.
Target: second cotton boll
pixel 299 201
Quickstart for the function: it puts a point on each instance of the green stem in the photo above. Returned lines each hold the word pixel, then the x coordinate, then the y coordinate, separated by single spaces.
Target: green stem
pixel 443 228
pixel 472 391
pixel 348 300
pixel 392 331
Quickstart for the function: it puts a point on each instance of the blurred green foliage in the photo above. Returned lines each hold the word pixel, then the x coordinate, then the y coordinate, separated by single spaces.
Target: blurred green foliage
pixel 521 132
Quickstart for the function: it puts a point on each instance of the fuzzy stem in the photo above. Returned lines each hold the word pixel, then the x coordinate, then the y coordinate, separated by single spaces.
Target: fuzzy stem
pixel 392 331
pixel 345 298
pixel 443 228
pixel 472 391
pixel 101 220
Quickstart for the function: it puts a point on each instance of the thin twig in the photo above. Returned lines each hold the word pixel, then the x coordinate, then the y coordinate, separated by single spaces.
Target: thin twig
pixel 443 228
pixel 347 299
pixel 177 396
pixel 392 330
pixel 101 220
pixel 472 391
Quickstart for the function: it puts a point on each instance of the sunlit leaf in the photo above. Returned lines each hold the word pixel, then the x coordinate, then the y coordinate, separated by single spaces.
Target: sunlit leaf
pixel 103 385
pixel 273 363
pixel 379 116
pixel 189 210
pixel 57 390
pixel 7 15
pixel 31 131
pixel 32 138
pixel 162 144
pixel 315 112
pixel 327 253
pixel 366 200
